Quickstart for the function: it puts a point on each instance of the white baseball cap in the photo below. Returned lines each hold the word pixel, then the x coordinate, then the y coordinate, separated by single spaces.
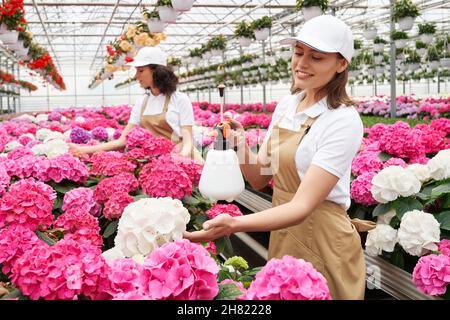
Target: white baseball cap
pixel 149 55
pixel 325 33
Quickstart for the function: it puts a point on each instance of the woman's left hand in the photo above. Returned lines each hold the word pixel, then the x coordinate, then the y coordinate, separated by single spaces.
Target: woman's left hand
pixel 220 226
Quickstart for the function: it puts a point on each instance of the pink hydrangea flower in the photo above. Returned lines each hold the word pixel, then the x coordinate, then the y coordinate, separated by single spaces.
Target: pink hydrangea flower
pixel 192 168
pixel 441 124
pixel 401 141
pixel 19 153
pixel 180 270
pixel 444 247
pixel 376 131
pixel 360 189
pixel 24 140
pixel 80 198
pixel 116 204
pixel 211 247
pixel 158 146
pixel 4 179
pixel 110 164
pixel 366 162
pixel 124 182
pixel 288 279
pixel 419 160
pixel 27 167
pixel 28 203
pixel 14 241
pixel 231 209
pixel 125 277
pixel 432 274
pixel 395 162
pixel 165 179
pixel 64 167
pixel 137 138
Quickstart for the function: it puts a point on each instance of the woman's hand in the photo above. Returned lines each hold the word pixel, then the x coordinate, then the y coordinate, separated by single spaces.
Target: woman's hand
pixel 75 148
pixel 237 136
pixel 220 226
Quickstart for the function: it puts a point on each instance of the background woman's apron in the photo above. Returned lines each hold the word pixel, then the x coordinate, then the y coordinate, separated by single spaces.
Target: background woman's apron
pixel 159 127
pixel 327 237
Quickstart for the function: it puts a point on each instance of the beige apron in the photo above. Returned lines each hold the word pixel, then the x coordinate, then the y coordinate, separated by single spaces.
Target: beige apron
pixel 327 237
pixel 159 127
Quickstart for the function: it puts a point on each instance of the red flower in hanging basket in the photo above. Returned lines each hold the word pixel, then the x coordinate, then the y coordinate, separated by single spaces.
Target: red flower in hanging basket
pixel 128 59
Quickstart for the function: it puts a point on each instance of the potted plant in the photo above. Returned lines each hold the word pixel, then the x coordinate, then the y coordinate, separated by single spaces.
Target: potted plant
pixel 370 32
pixel 261 28
pixel 421 47
pixel 155 25
pixel 433 58
pixel 413 60
pixel 357 45
pixel 405 13
pixel 182 5
pixel 378 57
pixel 286 53
pixel 426 32
pixel 400 39
pixel 244 33
pixel 312 8
pixel 175 63
pixel 378 44
pixel 195 55
pixel 166 11
pixel 217 45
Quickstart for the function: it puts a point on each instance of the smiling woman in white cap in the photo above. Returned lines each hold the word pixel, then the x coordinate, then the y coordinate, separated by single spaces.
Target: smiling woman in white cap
pixel 162 110
pixel 314 135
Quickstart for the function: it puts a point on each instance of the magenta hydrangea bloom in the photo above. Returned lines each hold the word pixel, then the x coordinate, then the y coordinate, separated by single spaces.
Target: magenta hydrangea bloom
pixel 14 241
pixel 444 247
pixel 125 277
pixel 432 140
pixel 288 279
pixel 192 168
pixel 4 179
pixel 419 160
pixel 100 134
pixel 80 222
pixel 158 146
pixel 110 164
pixel 432 274
pixel 63 167
pixel 360 189
pixel 211 247
pixel 395 162
pixel 28 166
pixel 165 179
pixel 80 198
pixel 180 270
pixel 116 204
pixel 20 152
pixel 137 138
pixel 55 116
pixel 401 141
pixel 24 140
pixel 28 203
pixel 231 209
pixel 121 183
pixel 366 162
pixel 376 131
pixel 441 124
pixel 80 135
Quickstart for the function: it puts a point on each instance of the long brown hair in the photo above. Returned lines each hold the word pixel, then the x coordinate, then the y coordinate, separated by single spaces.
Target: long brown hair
pixel 334 90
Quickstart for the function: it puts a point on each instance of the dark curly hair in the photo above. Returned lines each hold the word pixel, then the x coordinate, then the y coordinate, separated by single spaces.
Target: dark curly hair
pixel 164 79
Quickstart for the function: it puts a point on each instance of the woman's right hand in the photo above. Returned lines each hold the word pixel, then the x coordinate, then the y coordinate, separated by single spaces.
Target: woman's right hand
pixel 75 149
pixel 237 134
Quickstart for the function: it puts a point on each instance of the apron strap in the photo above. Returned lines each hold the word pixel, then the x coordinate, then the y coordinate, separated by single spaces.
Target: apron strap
pixel 166 104
pixel 363 225
pixel 144 103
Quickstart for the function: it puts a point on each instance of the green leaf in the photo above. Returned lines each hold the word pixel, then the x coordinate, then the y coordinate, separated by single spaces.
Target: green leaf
pixel 423 196
pixel 191 201
pixel 444 220
pixel 110 229
pixel 200 219
pixel 58 202
pixel 224 246
pixel 141 196
pixel 16 293
pixel 223 274
pixel 395 222
pixel 384 156
pixel 381 209
pixel 403 205
pixel 252 272
pixel 440 190
pixel 397 259
pixel 64 186
pixel 45 238
pixel 446 202
pixel 228 291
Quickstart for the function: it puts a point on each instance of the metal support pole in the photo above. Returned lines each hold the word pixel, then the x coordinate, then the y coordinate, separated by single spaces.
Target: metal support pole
pixel 75 67
pixel 240 82
pixel 103 92
pixel 393 75
pixel 209 94
pixel 264 85
pixel 48 98
pixel 438 82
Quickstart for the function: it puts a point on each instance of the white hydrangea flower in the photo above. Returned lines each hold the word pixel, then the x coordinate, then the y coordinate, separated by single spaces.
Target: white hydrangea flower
pixel 63 119
pixel 56 147
pixel 439 165
pixel 386 218
pixel 422 172
pixel 392 182
pixel 42 134
pixel 10 146
pixel 67 134
pixel 80 119
pixel 41 117
pixel 113 254
pixel 382 238
pixel 419 232
pixel 54 135
pixel 149 223
pixel 26 117
pixel 39 149
pixel 4 155
pixel 110 132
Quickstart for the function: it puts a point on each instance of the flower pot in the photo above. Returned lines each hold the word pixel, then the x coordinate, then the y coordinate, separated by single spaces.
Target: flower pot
pixel 445 62
pixel 378 47
pixel 244 42
pixel 182 5
pixel 195 60
pixel 311 12
pixel 9 38
pixel 379 69
pixel 216 52
pixel 413 66
pixel 378 59
pixel 155 25
pixel 262 34
pixel 401 43
pixel 405 23
pixel 370 34
pixel 421 51
pixel 434 65
pixel 426 38
pixel 207 55
pixel 3 28
pixel 167 14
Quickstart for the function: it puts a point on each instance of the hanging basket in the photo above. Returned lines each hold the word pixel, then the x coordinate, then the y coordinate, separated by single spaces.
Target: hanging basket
pixel 434 65
pixel 421 51
pixel 378 47
pixel 378 59
pixel 311 12
pixel 216 52
pixel 426 38
pixel 9 38
pixel 244 42
pixel 405 23
pixel 370 34
pixel 207 55
pixel 3 28
pixel 445 62
pixel 401 43
pixel 156 25
pixel 182 5
pixel 195 60
pixel 167 14
pixel 262 34
pixel 413 66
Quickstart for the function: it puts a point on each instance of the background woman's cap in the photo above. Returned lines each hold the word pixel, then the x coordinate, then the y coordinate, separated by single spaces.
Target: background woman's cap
pixel 149 55
pixel 325 33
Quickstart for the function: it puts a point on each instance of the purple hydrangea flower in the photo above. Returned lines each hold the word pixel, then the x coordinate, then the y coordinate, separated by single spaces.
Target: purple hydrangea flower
pixel 79 135
pixel 100 134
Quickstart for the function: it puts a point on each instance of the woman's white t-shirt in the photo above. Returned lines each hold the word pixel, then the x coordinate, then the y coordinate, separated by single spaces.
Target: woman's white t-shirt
pixel 179 112
pixel 331 143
